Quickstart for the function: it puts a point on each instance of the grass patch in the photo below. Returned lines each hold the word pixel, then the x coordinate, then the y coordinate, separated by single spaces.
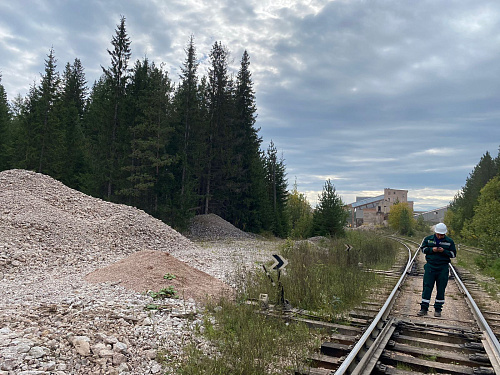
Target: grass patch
pixel 246 342
pixel 325 280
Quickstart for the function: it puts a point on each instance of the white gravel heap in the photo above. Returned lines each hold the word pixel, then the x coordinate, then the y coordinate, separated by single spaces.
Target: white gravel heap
pixel 51 320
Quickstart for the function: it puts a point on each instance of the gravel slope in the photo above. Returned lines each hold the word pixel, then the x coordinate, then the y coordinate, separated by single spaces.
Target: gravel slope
pixel 74 271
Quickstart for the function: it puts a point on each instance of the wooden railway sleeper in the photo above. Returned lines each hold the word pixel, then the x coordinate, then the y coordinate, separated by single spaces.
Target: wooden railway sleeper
pixel 474 346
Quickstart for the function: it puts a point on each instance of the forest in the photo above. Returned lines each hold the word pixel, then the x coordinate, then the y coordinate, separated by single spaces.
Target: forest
pixel 172 150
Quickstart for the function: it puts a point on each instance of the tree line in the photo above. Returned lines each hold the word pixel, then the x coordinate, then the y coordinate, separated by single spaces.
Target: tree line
pixel 474 213
pixel 135 137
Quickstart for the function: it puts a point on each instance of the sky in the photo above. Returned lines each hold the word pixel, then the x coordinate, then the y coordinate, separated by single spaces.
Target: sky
pixel 370 94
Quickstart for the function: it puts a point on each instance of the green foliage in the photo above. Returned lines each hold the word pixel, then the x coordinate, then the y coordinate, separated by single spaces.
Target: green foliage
pixel 277 192
pixel 462 206
pixel 168 292
pixel 134 138
pixel 300 213
pixel 401 218
pixel 484 228
pixel 329 218
pixel 169 276
pixel 328 279
pixel 5 118
pixel 421 226
pixel 248 343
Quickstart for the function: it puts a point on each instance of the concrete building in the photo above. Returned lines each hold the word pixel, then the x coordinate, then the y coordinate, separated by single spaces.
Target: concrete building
pixel 374 210
pixel 433 216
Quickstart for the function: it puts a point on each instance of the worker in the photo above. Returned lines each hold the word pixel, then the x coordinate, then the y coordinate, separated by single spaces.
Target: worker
pixel 439 249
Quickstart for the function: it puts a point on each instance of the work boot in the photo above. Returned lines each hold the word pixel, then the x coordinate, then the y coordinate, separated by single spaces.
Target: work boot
pixel 422 312
pixel 437 313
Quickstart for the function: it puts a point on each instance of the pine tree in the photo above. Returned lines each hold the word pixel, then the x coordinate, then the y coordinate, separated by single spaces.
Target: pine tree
pixel 277 191
pixel 329 218
pixel 117 75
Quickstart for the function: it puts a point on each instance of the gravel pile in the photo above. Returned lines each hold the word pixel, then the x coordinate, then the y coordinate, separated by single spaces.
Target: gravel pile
pixel 211 227
pixel 55 321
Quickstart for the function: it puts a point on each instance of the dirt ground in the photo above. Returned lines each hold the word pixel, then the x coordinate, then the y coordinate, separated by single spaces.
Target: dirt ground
pixel 145 270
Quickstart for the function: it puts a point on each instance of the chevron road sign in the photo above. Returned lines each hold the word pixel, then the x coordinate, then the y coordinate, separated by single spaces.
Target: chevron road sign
pixel 279 263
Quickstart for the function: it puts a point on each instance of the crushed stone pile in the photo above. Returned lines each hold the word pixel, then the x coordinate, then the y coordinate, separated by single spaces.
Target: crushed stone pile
pixel 53 321
pixel 211 227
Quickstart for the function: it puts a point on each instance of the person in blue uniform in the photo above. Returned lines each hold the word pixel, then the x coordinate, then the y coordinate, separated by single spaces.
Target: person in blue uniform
pixel 439 249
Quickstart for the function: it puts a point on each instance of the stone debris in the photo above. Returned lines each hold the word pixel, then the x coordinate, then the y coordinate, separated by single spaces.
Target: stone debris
pixel 211 227
pixel 54 321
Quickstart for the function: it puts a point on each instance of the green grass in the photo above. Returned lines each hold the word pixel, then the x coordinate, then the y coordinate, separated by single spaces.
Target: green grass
pixel 484 267
pixel 245 342
pixel 327 281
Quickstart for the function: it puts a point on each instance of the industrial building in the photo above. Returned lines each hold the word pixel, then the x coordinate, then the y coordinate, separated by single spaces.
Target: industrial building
pixel 433 216
pixel 375 210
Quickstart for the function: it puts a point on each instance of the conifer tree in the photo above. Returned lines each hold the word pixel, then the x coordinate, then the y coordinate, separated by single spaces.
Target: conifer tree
pixel 218 176
pixel 329 218
pixel 5 119
pixel 117 75
pixel 249 185
pixel 150 91
pixel 277 191
pixel 189 138
pixel 463 204
pixel 72 108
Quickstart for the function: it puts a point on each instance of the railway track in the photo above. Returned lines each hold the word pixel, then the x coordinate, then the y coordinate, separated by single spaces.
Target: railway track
pixel 385 336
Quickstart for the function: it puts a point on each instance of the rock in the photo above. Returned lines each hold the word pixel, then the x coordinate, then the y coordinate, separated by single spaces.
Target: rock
pixel 119 358
pixel 156 368
pixel 120 347
pixel 151 353
pixel 37 351
pixel 82 345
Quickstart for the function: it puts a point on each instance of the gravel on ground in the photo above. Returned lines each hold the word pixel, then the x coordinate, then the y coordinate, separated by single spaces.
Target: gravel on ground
pixel 74 272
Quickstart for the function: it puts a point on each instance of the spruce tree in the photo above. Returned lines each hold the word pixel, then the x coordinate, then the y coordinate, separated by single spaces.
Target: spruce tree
pixel 117 75
pixel 329 218
pixel 249 186
pixel 150 91
pixel 277 191
pixel 5 120
pixel 72 108
pixel 189 141
pixel 218 170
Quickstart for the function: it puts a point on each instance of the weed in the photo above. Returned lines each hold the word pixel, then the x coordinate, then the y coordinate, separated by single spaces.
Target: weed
pixel 168 292
pixel 169 276
pixel 323 280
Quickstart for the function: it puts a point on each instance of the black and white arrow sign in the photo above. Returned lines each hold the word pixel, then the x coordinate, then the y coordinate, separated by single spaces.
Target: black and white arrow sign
pixel 347 247
pixel 280 262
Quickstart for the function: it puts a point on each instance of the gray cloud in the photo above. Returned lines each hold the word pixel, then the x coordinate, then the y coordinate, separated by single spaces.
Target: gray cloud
pixel 370 94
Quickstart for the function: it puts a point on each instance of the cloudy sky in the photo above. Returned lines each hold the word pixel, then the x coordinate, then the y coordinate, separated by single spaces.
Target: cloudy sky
pixel 371 94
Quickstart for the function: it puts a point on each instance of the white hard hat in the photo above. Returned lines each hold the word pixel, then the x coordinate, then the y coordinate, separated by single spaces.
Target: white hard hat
pixel 441 228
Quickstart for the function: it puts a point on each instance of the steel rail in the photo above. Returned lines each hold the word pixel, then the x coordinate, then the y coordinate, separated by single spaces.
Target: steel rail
pixel 349 361
pixel 493 345
pixel 483 324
